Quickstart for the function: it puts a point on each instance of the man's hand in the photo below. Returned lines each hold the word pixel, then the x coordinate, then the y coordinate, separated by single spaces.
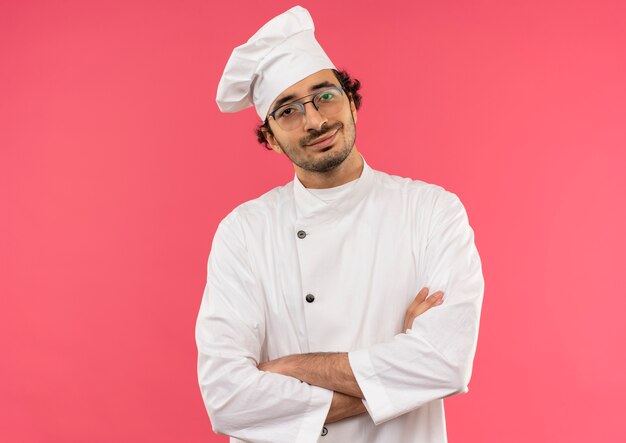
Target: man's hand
pixel 279 366
pixel 344 406
pixel 420 305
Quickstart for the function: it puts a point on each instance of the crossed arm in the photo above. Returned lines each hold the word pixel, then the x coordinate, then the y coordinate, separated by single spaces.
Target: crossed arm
pixel 331 370
pixel 432 359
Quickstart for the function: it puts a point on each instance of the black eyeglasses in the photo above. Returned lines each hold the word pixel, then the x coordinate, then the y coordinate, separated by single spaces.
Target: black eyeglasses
pixel 291 116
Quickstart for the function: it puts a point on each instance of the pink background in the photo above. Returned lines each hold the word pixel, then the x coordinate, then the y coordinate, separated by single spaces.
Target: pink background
pixel 116 166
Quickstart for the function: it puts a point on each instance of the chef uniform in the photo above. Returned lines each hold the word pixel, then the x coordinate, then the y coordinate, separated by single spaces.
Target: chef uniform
pixel 302 270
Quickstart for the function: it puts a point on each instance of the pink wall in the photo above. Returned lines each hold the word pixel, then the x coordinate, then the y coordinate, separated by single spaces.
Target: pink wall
pixel 116 166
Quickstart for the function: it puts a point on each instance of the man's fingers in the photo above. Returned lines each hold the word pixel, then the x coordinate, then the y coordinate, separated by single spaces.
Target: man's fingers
pixel 421 305
pixel 420 297
pixel 435 299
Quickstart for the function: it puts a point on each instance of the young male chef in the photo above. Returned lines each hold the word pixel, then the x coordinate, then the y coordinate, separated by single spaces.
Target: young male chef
pixel 310 328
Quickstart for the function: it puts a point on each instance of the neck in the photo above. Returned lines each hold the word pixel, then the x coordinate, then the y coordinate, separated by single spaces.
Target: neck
pixel 350 169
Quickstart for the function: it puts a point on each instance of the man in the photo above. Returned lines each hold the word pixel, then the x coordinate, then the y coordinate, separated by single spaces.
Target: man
pixel 309 328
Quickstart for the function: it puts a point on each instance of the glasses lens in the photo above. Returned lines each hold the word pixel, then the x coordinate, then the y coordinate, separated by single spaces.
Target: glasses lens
pixel 289 117
pixel 329 102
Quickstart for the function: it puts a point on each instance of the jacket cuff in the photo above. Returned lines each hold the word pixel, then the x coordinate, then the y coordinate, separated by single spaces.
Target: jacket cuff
pixel 315 416
pixel 377 402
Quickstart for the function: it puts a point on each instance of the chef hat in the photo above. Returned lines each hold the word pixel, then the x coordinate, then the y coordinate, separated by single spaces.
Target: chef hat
pixel 280 54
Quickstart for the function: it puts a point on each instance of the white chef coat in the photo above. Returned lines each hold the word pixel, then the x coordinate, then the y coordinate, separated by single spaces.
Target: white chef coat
pixel 291 273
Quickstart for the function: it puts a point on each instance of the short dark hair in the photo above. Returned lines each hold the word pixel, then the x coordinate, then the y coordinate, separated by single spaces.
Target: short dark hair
pixel 350 86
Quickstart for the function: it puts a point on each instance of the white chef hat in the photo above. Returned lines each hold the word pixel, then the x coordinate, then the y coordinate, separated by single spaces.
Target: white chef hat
pixel 280 54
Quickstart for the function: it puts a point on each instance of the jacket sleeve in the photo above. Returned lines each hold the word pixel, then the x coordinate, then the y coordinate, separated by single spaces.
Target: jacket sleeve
pixel 434 358
pixel 242 401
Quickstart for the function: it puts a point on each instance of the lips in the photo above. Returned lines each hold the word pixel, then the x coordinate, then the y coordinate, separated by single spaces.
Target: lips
pixel 326 139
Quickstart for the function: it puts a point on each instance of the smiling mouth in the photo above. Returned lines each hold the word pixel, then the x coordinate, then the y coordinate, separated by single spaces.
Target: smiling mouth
pixel 325 138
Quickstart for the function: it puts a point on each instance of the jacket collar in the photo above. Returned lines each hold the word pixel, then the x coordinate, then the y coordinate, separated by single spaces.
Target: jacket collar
pixel 312 210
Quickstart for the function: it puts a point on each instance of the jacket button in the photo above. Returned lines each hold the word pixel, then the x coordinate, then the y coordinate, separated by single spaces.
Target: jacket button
pixel 324 431
pixel 301 234
pixel 309 298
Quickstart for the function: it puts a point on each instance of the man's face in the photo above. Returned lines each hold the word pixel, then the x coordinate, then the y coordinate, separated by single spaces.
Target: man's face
pixel 322 142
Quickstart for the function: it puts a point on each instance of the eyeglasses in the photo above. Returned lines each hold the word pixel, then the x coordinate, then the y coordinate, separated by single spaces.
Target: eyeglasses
pixel 291 116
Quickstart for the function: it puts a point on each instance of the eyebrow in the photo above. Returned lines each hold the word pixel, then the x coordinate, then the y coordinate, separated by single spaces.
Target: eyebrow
pixel 286 99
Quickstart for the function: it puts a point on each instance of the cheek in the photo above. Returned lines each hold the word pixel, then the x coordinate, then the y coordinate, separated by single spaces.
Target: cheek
pixel 289 142
pixel 350 121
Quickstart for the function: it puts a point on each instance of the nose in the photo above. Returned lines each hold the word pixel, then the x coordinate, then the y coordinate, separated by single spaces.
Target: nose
pixel 312 117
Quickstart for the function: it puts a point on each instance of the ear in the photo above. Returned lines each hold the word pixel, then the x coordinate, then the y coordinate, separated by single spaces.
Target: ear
pixel 271 140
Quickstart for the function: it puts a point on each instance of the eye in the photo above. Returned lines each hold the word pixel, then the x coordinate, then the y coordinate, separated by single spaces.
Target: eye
pixel 326 96
pixel 287 111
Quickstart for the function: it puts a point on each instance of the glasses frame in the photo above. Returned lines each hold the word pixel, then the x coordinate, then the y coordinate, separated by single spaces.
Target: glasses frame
pixel 301 103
